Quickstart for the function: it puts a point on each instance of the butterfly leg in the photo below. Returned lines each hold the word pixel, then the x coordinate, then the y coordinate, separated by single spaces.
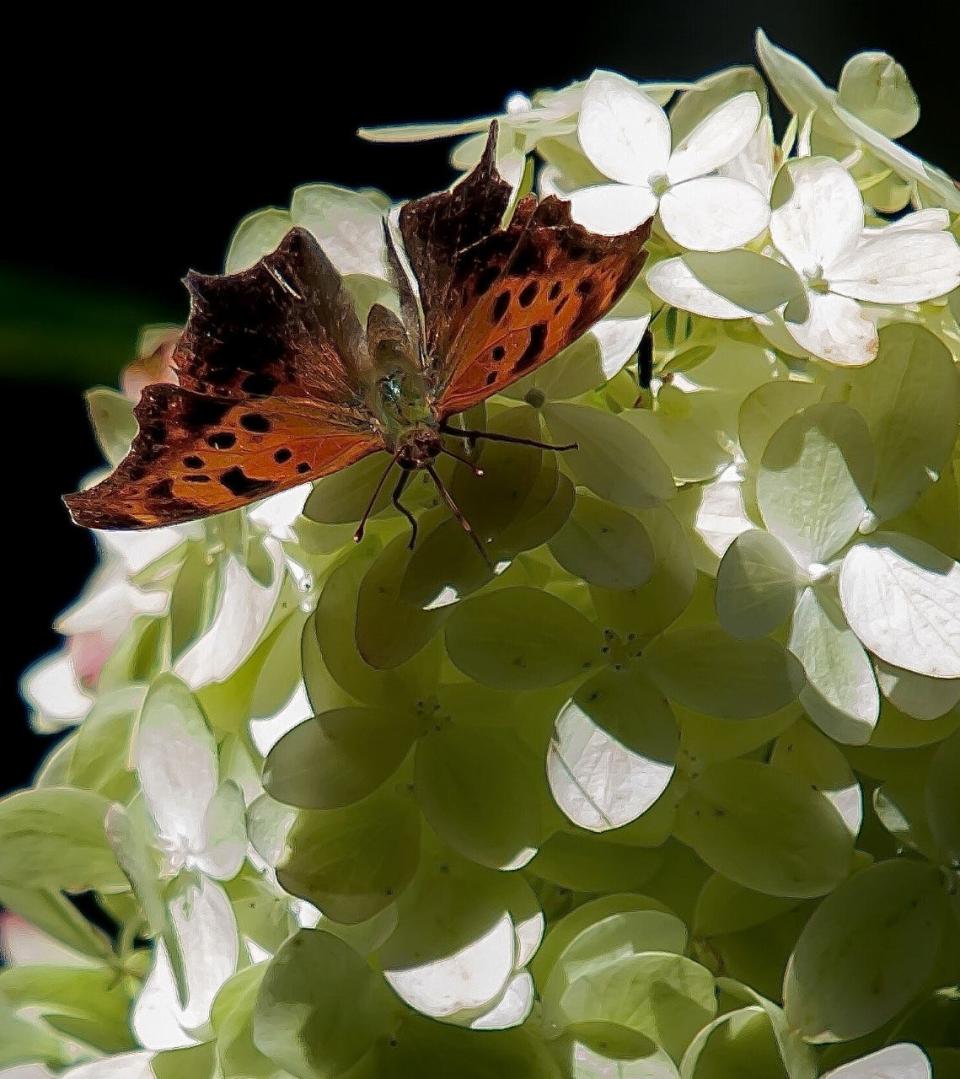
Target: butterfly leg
pixel 397 492
pixel 358 535
pixel 457 512
pixel 493 436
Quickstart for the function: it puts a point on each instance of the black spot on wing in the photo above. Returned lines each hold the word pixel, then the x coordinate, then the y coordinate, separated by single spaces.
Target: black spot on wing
pixel 259 385
pixel 254 421
pixel 200 413
pixel 528 294
pixel 534 349
pixel 282 455
pixel 238 483
pixel 222 440
pixel 500 305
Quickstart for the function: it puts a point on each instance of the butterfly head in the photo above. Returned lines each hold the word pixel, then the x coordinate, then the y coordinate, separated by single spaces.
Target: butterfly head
pixel 419 448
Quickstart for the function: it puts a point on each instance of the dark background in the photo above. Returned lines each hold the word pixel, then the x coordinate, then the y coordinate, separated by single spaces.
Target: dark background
pixel 132 152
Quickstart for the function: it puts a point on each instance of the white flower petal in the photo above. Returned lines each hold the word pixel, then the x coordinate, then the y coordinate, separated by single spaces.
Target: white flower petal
pixel 512 1008
pixel 54 693
pixel 464 981
pixel 719 137
pixel 903 162
pixel 244 610
pixel 754 163
pixel 822 217
pixel 713 213
pixel 204 922
pixel 125 1066
pixel 624 134
pixel 618 339
pixel 931 220
pixel 901 1061
pixel 279 513
pixel 674 282
pixel 225 834
pixel 176 760
pixel 836 330
pixel 899 267
pixel 611 209
pixel 138 549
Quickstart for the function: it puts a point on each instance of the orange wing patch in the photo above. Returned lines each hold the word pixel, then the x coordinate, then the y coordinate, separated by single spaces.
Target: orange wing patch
pixel 501 299
pixel 558 282
pixel 197 455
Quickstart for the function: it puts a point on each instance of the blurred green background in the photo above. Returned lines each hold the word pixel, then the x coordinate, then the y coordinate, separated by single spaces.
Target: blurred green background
pixel 133 150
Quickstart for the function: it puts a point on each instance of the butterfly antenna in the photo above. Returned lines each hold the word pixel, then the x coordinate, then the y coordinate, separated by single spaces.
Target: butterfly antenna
pixel 358 535
pixel 458 513
pixel 493 436
pixel 463 460
pixel 397 492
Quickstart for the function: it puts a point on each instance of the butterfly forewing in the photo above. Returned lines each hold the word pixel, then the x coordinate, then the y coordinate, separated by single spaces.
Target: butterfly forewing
pixel 501 300
pixel 196 455
pixel 285 327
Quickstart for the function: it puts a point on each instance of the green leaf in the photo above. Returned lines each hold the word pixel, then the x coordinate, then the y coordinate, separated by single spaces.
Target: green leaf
pixel 738 1043
pixel 683 437
pixel 666 997
pixel 708 671
pixel 54 914
pixel 607 941
pixel 338 757
pixel 520 638
pixel 101 754
pixel 54 838
pixel 194 1062
pixel 572 925
pixel 111 415
pixel 613 459
pixel 815 476
pixel 943 799
pixel 22 1042
pixel 353 862
pixel 587 863
pixel 866 951
pixel 647 610
pixel 756 585
pixel 342 497
pixel 478 787
pixel 751 281
pixel 798 1058
pixel 768 407
pixel 318 1027
pixel 765 829
pixel 807 753
pixel 389 630
pixel 257 235
pixel 874 87
pixel 723 906
pixel 91 1005
pixel 604 545
pixel 337 609
pixel 910 398
pixel 613 750
pixel 841 694
pixel 232 1020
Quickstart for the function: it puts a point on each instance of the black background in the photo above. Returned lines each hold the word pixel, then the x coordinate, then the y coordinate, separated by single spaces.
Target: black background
pixel 133 150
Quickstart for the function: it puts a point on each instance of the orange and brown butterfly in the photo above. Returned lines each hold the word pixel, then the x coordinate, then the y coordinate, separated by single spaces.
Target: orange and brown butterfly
pixel 278 383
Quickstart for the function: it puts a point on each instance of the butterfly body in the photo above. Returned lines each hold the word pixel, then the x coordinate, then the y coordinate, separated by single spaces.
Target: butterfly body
pixel 278 383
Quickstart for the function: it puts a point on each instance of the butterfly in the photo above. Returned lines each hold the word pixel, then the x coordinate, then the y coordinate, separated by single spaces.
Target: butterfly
pixel 278 383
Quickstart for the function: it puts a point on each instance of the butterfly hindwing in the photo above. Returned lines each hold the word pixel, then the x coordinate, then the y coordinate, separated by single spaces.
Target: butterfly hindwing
pixel 197 455
pixel 501 300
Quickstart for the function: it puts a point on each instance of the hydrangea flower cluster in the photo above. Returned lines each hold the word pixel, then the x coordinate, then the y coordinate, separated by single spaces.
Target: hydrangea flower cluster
pixel 670 789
